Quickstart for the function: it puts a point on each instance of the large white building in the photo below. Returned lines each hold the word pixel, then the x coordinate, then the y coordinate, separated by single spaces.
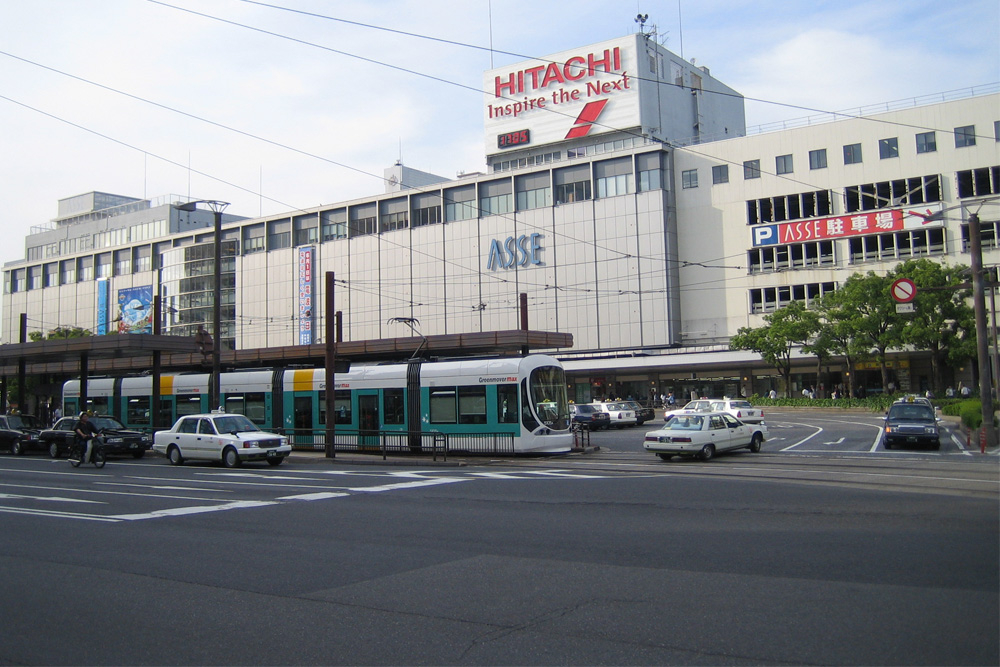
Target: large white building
pixel 624 197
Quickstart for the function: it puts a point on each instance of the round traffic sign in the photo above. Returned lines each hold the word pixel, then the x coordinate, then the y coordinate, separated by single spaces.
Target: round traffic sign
pixel 903 290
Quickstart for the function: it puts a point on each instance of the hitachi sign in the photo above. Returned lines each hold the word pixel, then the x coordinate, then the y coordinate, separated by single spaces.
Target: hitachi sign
pixel 574 69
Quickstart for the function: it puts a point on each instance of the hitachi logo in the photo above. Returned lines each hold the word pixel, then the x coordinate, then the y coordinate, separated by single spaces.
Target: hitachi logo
pixel 574 69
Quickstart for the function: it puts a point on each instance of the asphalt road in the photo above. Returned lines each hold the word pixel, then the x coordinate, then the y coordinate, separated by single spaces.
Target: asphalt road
pixel 614 557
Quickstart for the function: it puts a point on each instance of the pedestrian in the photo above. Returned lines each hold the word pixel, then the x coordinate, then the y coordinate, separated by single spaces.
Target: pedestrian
pixel 772 394
pixel 56 415
pixel 949 392
pixel 966 392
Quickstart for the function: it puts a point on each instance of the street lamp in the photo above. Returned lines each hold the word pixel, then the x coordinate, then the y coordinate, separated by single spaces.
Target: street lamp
pixel 217 207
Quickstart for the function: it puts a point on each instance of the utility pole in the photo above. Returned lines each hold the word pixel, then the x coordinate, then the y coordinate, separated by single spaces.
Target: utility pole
pixel 982 344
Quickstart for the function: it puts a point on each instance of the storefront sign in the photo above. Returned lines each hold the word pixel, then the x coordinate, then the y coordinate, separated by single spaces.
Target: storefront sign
pixel 520 251
pixel 852 224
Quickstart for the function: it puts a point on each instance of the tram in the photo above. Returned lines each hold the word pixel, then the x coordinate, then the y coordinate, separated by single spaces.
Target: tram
pixel 521 397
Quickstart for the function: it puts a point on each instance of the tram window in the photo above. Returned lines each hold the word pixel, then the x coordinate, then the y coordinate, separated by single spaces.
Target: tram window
pixel 342 407
pixel 138 410
pixel 98 405
pixel 392 407
pixel 472 405
pixel 190 405
pixel 507 403
pixel 250 404
pixel 322 408
pixel 443 405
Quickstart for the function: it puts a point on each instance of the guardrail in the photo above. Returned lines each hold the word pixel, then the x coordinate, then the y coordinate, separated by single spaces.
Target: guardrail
pixel 405 442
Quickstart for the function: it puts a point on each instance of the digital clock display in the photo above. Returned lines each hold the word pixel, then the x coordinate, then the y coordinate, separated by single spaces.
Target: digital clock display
pixel 511 139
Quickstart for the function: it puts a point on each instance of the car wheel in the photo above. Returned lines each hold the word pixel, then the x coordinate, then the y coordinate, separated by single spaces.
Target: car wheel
pixel 16 448
pixel 886 444
pixel 231 458
pixel 54 450
pixel 755 442
pixel 174 455
pixel 936 445
pixel 665 456
pixel 275 460
pixel 707 452
pixel 139 454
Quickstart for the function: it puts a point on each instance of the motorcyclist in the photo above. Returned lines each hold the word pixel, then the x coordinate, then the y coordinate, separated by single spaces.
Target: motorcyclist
pixel 85 434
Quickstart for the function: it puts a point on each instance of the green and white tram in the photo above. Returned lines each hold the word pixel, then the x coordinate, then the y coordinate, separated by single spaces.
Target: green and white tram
pixel 523 399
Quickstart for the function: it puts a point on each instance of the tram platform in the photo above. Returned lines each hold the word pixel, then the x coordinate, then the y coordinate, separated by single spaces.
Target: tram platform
pixel 417 460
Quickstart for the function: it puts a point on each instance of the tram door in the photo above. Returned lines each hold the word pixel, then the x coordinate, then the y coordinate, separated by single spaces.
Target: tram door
pixel 303 410
pixel 368 420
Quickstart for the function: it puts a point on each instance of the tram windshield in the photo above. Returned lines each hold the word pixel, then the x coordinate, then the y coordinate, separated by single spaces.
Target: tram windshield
pixel 547 388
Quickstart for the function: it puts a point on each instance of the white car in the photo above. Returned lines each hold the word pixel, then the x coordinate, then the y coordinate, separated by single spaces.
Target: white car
pixel 621 414
pixel 704 434
pixel 739 408
pixel 690 408
pixel 219 436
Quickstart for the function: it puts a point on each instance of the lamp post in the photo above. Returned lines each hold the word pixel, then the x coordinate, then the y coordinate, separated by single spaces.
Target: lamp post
pixel 217 207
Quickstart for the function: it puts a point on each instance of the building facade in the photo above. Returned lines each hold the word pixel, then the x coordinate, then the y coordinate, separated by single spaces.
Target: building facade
pixel 623 197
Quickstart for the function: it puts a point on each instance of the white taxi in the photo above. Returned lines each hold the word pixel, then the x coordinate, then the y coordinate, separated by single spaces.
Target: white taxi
pixel 220 436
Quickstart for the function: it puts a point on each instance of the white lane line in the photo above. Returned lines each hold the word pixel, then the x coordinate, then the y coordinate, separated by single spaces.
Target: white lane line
pixel 203 509
pixel 805 439
pixel 409 485
pixel 58 515
pixel 164 488
pixel 56 499
pixel 109 493
pixel 314 496
pixel 835 442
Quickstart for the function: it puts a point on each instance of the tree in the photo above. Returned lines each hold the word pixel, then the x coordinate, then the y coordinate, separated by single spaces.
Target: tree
pixel 871 312
pixel 942 321
pixel 838 333
pixel 59 333
pixel 785 328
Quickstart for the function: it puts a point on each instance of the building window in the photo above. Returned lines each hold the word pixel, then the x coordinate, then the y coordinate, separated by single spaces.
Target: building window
pixel 720 174
pixel 394 221
pixel 817 159
pixel 769 299
pixel 279 234
pixel 871 196
pixel 965 136
pixel 852 154
pixel 496 204
pixel 689 178
pixel 650 173
pixel 783 164
pixel 751 169
pixel 898 245
pixel 926 142
pixel 530 199
pixel 426 216
pixel 789 207
pixel 888 148
pixel 333 224
pixel 571 192
pixel 978 182
pixel 305 229
pixel 796 256
pixel 996 130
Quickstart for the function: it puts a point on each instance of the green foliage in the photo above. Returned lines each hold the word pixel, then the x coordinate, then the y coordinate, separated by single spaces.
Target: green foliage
pixel 59 333
pixel 972 414
pixel 879 403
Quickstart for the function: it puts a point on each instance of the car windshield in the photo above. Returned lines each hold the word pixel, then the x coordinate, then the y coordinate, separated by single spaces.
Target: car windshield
pixel 685 423
pixel 698 405
pixel 585 409
pixel 915 413
pixel 740 404
pixel 21 421
pixel 617 406
pixel 234 424
pixel 102 423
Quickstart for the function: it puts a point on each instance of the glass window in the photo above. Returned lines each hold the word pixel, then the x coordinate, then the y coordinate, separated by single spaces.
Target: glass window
pixel 333 224
pixel 751 169
pixel 783 164
pixel 689 178
pixel 342 406
pixel 852 154
pixel 507 403
pixel 965 136
pixel 888 148
pixel 817 159
pixel 393 406
pixel 472 405
pixel 443 406
pixel 720 174
pixel 926 142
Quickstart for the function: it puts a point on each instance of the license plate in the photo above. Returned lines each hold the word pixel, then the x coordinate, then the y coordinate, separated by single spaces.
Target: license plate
pixel 272 452
pixel 133 446
pixel 911 439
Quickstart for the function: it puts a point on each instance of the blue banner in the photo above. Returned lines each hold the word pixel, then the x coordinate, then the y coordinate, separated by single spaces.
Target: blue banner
pixel 135 310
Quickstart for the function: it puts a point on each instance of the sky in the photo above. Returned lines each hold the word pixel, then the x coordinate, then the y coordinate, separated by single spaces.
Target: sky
pixel 275 110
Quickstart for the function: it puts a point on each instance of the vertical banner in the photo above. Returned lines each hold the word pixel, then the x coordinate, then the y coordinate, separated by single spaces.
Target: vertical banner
pixel 135 310
pixel 102 306
pixel 306 295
